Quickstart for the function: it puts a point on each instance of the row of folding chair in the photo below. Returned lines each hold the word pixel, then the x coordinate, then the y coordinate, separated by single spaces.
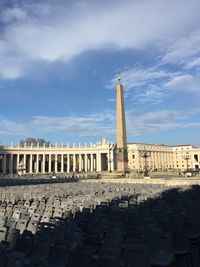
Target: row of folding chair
pixel 99 225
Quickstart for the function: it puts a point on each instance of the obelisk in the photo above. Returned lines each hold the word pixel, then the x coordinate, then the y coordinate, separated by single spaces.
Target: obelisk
pixel 122 156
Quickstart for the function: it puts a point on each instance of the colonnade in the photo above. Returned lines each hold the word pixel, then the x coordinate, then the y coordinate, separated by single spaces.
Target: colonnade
pixel 41 162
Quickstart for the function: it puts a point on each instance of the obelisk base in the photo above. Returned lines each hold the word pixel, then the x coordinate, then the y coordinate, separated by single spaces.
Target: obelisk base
pixel 122 163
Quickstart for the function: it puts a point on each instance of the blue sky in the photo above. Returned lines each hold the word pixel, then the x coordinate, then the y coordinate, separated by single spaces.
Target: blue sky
pixel 59 62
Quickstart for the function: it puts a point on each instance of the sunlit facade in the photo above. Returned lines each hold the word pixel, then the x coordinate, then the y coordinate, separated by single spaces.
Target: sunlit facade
pixel 99 157
pixel 57 159
pixel 163 157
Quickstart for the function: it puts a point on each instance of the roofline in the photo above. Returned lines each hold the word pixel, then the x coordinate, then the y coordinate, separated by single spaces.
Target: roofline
pixel 135 143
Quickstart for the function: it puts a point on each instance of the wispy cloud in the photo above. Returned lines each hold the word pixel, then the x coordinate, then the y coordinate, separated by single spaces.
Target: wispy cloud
pixel 193 63
pixel 49 32
pixel 145 85
pixel 152 122
pixel 101 124
pixel 192 124
pixel 186 82
pixel 153 85
pixel 140 77
pixel 13 15
pixel 12 128
pixel 140 122
pixel 184 51
pixel 175 69
pixel 97 124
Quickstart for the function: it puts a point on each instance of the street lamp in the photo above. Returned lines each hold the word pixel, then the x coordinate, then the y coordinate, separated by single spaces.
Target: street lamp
pixel 145 155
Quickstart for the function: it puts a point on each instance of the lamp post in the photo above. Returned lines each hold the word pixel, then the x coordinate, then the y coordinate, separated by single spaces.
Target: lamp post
pixel 145 155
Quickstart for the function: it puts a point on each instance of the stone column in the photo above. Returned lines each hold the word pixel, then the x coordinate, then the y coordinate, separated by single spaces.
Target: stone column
pixel 79 162
pixel 109 161
pixel 11 163
pixel 98 162
pixel 4 163
pixel 24 162
pixel 85 162
pixel 56 163
pixel 37 163
pixel 112 160
pixel 31 164
pixel 49 163
pixel 18 158
pixel 62 162
pixel 91 162
pixel 74 162
pixel 68 163
pixel 94 163
pixel 88 163
pixel 43 163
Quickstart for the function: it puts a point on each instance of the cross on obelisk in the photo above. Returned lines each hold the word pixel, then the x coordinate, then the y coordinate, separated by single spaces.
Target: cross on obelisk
pixel 122 158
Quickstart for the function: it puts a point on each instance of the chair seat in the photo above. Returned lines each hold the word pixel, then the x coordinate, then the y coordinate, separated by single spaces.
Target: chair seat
pixel 162 259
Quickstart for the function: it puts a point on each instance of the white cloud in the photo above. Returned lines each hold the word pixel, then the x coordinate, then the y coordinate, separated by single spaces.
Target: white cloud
pixel 91 125
pixel 140 122
pixel 12 65
pixel 188 83
pixel 145 85
pixel 11 128
pixel 193 63
pixel 152 85
pixel 96 124
pixel 101 124
pixel 12 15
pixel 140 77
pixel 153 94
pixel 48 32
pixel 152 122
pixel 184 51
pixel 192 124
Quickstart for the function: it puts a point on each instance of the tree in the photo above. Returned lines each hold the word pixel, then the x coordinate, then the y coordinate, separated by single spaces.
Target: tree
pixel 34 142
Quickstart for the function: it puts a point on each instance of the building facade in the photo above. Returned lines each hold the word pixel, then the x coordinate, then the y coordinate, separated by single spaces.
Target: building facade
pixel 99 157
pixel 57 159
pixel 186 157
pixel 163 157
pixel 158 157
